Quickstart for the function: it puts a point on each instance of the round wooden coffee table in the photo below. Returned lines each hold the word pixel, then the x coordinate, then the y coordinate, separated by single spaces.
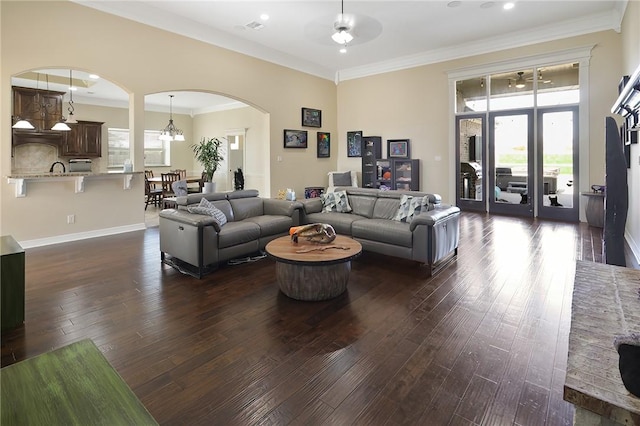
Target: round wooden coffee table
pixel 308 271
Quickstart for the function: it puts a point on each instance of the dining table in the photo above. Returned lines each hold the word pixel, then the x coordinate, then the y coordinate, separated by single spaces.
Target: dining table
pixel 157 180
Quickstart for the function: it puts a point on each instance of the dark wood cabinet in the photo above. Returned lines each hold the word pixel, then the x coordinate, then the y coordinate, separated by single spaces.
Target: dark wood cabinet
pixel 84 140
pixel 11 282
pixel 42 108
pixel 406 174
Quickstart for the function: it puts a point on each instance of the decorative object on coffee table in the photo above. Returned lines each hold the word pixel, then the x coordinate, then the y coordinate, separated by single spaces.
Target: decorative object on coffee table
pixel 305 273
pixel 628 348
pixel 321 233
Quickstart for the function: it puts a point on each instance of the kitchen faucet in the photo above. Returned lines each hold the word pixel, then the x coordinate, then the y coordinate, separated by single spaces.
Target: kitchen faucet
pixel 64 169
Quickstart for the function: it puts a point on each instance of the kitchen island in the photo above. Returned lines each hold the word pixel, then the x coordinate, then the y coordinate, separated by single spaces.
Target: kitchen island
pixel 21 180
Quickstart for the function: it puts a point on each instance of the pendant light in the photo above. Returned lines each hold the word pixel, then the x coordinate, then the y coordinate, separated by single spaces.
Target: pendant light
pixel 520 83
pixel 60 125
pixel 70 118
pixel 171 132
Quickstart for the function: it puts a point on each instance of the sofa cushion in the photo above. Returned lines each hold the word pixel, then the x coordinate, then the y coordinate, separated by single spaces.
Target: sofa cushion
pixel 234 233
pixel 246 207
pixel 336 202
pixel 271 225
pixel 341 222
pixel 383 231
pixel 409 207
pixel 362 204
pixel 207 208
pixel 342 179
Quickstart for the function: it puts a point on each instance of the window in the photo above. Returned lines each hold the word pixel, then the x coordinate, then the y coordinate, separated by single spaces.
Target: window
pixel 156 152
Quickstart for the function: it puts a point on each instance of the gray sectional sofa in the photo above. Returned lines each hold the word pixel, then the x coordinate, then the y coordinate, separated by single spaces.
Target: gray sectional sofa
pixel 196 243
pixel 431 237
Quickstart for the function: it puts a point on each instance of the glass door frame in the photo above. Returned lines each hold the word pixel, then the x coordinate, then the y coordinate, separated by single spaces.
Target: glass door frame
pixel 547 212
pixel 524 210
pixel 466 203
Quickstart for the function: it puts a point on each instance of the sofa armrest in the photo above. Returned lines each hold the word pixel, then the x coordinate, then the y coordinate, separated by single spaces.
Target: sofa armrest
pixel 432 217
pixel 196 220
pixel 311 205
pixel 280 207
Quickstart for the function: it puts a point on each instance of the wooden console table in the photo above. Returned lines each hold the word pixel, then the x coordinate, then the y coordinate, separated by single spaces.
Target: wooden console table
pixel 73 385
pixel 605 304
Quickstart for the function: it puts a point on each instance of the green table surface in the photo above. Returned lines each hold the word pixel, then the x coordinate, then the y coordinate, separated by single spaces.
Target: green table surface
pixel 73 385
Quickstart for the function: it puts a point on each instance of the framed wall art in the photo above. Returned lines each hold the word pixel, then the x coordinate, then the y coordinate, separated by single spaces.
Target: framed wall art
pixel 354 143
pixel 324 145
pixel 398 148
pixel 311 117
pixel 295 138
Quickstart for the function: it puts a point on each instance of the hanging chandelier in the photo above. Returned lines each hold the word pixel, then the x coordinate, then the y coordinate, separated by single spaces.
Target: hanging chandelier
pixel 342 27
pixel 171 132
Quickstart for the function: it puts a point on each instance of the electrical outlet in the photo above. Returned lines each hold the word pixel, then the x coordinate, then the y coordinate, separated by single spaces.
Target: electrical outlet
pixel 71 219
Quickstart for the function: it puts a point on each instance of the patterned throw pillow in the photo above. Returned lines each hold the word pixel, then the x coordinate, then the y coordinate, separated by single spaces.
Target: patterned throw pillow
pixel 206 207
pixel 410 206
pixel 336 202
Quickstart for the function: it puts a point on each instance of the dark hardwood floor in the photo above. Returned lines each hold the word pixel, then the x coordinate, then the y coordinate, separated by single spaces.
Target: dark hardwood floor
pixel 482 342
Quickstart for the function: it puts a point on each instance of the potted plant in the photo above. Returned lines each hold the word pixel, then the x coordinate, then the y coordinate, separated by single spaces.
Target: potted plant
pixel 207 152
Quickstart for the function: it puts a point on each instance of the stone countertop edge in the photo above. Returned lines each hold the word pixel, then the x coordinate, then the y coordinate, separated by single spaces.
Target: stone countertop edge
pixel 68 174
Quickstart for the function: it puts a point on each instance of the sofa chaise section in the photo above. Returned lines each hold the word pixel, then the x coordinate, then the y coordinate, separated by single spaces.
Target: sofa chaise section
pixel 199 241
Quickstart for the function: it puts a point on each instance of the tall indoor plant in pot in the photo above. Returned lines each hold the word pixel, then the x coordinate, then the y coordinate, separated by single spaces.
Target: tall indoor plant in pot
pixel 207 152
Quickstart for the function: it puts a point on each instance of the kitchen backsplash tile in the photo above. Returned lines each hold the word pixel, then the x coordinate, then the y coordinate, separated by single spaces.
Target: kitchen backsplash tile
pixel 38 158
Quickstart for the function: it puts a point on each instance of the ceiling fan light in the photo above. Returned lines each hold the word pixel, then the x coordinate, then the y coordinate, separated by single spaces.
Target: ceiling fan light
pixel 23 124
pixel 520 84
pixel 342 36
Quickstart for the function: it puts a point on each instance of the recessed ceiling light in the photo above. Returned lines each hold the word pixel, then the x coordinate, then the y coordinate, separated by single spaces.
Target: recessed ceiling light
pixel 454 3
pixel 508 6
pixel 264 17
pixel 487 5
pixel 94 76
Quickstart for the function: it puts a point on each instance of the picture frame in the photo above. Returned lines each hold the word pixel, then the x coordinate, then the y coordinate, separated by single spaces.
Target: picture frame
pixel 295 138
pixel 354 143
pixel 311 117
pixel 398 148
pixel 324 145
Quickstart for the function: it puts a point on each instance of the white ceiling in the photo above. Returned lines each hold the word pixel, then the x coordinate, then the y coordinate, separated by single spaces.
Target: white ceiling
pixel 388 35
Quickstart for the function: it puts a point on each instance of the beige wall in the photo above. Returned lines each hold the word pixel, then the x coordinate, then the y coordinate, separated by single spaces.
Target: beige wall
pixel 415 104
pixel 631 61
pixel 257 147
pixel 130 54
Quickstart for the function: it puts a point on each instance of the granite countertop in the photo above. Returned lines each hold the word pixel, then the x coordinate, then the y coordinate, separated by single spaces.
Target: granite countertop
pixel 66 174
pixel 605 304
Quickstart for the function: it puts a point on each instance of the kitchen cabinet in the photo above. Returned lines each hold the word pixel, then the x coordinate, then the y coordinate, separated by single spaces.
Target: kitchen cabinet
pixel 84 140
pixel 406 174
pixel 371 151
pixel 42 108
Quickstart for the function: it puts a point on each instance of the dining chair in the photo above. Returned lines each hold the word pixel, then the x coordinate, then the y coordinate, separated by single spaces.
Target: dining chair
pixel 181 172
pixel 149 174
pixel 152 196
pixel 167 180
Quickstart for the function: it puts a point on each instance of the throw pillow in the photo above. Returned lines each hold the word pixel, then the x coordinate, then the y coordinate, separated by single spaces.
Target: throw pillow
pixel 342 179
pixel 179 188
pixel 207 208
pixel 410 206
pixel 336 202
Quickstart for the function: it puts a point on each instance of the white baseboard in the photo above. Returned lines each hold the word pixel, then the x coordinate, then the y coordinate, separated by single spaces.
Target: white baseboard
pixel 633 245
pixel 39 242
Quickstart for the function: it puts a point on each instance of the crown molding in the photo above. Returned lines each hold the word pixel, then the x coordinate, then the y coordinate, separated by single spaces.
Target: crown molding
pixel 566 29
